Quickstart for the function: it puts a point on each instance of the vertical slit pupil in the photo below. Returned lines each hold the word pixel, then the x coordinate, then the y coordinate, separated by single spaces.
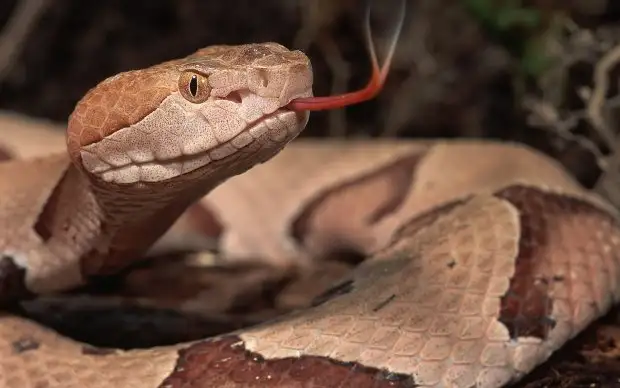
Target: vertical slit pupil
pixel 193 85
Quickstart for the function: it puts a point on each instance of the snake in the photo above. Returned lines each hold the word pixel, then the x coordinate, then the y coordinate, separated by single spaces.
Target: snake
pixel 481 258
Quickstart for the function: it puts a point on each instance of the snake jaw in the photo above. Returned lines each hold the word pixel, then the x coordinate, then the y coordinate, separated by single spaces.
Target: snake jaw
pixel 184 141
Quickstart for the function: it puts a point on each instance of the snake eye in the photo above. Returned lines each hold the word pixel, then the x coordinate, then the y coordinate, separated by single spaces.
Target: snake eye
pixel 194 87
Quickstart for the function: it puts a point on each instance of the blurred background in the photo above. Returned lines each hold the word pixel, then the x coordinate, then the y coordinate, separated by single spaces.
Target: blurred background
pixel 541 72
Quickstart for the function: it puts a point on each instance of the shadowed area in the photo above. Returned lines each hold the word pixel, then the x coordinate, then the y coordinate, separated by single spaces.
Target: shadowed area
pixel 5 154
pixel 365 201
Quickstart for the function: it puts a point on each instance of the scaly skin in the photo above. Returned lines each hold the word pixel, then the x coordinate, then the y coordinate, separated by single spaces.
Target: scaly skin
pixel 483 258
pixel 141 153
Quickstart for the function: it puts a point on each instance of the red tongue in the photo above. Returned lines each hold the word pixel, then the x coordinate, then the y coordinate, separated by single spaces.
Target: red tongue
pixel 375 84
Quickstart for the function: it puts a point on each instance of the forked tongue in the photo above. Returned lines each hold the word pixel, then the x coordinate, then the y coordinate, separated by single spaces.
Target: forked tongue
pixel 377 79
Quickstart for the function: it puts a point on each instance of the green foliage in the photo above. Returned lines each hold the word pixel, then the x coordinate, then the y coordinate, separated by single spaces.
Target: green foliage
pixel 519 29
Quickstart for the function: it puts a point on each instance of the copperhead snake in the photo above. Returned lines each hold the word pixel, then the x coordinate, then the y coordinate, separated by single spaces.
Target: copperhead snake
pixel 483 258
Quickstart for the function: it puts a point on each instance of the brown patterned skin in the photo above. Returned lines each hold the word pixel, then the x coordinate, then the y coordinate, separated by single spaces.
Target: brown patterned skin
pixel 482 260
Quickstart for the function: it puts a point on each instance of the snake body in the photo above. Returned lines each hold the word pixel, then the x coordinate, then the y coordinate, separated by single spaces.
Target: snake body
pixel 482 258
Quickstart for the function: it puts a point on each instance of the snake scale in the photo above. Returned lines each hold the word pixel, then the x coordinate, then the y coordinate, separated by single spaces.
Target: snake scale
pixel 482 258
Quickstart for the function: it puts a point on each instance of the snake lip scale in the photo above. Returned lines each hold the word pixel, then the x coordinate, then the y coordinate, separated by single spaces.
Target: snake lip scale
pixel 187 162
pixel 482 258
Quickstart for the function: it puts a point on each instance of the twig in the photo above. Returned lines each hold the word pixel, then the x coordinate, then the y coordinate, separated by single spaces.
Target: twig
pixel 596 102
pixel 16 31
pixel 608 185
pixel 544 115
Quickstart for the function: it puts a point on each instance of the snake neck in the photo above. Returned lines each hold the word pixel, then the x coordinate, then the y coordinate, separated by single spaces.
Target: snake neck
pixel 131 218
pixel 109 227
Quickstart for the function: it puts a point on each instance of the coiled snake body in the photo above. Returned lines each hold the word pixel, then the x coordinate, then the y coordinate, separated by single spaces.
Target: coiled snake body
pixel 483 258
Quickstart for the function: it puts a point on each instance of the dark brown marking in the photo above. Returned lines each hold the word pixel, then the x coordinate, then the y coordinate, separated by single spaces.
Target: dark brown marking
pixel 384 303
pixel 111 324
pixel 260 297
pixel 549 223
pixel 92 351
pixel 381 192
pixel 339 289
pixel 226 362
pixel 24 345
pixel 399 177
pixel 345 255
pixel 527 303
pixel 49 217
pixel 5 154
pixel 12 285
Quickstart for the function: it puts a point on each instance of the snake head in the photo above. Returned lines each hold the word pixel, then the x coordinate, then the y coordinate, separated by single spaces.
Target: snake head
pixel 222 108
